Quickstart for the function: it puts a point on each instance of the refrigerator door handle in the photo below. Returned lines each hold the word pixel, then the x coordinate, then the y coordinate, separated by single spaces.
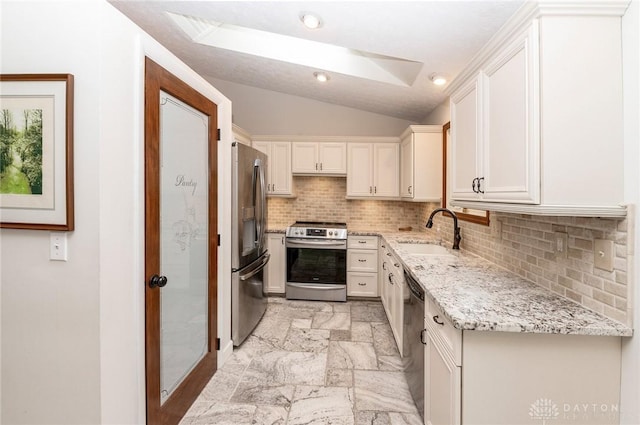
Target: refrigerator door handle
pixel 263 206
pixel 257 269
pixel 258 184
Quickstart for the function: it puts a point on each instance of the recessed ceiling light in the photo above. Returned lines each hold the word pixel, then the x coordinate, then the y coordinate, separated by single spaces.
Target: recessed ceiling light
pixel 321 76
pixel 438 79
pixel 311 21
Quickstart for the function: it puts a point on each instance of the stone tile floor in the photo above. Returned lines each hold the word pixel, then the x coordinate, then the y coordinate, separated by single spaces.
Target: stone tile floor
pixel 311 362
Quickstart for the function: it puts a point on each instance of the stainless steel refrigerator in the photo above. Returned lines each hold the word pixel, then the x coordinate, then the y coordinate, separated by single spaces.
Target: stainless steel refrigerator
pixel 248 242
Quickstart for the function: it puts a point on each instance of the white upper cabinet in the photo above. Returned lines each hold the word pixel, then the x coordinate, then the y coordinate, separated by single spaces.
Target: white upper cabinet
pixel 421 164
pixel 279 178
pixel 511 148
pixel 241 136
pixel 495 142
pixel 373 170
pixel 535 128
pixel 319 158
pixel 466 150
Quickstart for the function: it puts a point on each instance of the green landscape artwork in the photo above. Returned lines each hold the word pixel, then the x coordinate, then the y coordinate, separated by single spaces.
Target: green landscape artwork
pixel 21 151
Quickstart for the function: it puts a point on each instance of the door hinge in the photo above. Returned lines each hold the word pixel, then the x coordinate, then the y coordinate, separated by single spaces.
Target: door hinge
pixel 218 239
pixel 217 344
pixel 219 135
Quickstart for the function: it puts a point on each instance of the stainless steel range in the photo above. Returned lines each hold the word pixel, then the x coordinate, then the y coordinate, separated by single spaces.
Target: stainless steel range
pixel 316 261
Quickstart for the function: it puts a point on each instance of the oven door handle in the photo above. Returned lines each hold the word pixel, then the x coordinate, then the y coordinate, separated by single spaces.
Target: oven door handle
pixel 314 244
pixel 326 287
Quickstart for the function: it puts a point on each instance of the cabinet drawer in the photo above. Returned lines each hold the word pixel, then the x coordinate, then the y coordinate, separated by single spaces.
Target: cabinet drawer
pixel 362 260
pixel 448 337
pixel 362 242
pixel 393 264
pixel 362 284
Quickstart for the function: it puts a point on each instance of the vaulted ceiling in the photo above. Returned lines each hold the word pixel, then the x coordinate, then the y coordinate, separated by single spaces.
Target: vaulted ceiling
pixel 379 55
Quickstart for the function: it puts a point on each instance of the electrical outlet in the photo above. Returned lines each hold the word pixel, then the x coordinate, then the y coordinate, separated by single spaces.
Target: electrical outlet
pixel 603 252
pixel 561 242
pixel 58 246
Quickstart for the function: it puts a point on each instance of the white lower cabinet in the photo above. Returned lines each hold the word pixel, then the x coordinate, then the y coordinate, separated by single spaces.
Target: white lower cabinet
pixel 442 359
pixel 506 378
pixel 276 270
pixel 392 292
pixel 362 266
pixel 442 385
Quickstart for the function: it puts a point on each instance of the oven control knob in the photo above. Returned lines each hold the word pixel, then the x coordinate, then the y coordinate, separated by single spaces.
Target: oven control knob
pixel 330 232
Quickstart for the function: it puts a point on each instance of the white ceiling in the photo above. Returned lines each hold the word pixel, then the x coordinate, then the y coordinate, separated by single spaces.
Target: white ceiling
pixel 443 35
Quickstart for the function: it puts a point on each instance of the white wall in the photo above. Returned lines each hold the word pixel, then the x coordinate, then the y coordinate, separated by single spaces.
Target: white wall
pixel 440 115
pixel 630 395
pixel 51 310
pixel 73 333
pixel 260 111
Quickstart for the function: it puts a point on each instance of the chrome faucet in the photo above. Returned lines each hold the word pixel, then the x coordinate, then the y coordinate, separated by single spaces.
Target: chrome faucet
pixel 456 229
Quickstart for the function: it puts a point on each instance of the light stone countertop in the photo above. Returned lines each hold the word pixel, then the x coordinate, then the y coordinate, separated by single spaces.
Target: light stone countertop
pixel 475 294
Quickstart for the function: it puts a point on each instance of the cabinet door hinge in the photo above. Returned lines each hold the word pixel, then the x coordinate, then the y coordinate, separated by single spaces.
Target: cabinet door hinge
pixel 217 344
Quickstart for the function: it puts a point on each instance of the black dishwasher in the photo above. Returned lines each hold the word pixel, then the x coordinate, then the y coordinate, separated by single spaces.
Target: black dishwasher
pixel 413 346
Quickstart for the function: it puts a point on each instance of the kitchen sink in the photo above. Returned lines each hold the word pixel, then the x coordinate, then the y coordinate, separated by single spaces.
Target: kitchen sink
pixel 423 248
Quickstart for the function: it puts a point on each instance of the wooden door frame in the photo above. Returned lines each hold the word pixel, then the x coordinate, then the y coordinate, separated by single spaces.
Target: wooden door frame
pixel 174 408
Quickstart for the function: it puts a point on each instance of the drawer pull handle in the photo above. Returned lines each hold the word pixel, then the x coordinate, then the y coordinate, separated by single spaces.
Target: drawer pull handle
pixel 390 277
pixel 396 264
pixel 422 340
pixel 362 241
pixel 384 265
pixel 362 260
pixel 384 246
pixel 437 320
pixel 388 254
pixel 362 284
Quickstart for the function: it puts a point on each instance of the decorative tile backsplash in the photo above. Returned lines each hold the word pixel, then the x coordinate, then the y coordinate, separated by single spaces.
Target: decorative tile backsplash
pixel 323 199
pixel 525 244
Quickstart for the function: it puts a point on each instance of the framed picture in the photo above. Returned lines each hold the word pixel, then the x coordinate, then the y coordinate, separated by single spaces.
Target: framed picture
pixel 36 151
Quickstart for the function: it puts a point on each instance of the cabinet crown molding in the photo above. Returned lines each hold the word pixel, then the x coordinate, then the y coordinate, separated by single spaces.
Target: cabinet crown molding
pixel 523 17
pixel 421 129
pixel 349 139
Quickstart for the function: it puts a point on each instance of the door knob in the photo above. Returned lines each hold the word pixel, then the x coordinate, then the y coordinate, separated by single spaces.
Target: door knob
pixel 158 281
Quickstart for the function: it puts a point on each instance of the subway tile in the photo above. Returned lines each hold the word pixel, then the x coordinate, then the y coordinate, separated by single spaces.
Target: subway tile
pixel 525 247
